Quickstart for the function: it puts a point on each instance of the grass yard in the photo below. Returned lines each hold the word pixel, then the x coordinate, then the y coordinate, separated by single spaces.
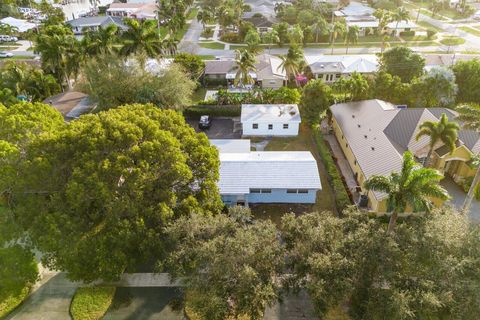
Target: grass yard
pixel 452 41
pixel 325 198
pixel 91 303
pixel 199 95
pixel 471 30
pixel 212 45
pixel 207 57
pixel 428 25
pixel 9 304
pixel 237 46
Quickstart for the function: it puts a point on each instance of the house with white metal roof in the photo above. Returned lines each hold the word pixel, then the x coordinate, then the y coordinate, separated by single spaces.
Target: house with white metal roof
pixel 330 68
pixel 266 177
pixel 270 119
pixel 80 25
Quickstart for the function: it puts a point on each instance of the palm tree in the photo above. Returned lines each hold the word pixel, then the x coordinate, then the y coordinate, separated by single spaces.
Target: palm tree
pixel 443 130
pixel 320 28
pixel 291 61
pixel 141 37
pixel 469 115
pixel 170 45
pixel 401 14
pixel 352 36
pixel 245 65
pixel 101 41
pixel 204 17
pixel 339 29
pixel 413 186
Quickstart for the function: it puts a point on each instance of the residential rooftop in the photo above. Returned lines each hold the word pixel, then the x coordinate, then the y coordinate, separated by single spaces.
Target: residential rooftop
pixel 270 113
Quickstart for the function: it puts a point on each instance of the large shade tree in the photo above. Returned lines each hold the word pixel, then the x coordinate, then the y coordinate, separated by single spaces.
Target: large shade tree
pixel 439 131
pixel 414 187
pixel 94 196
pixel 402 62
pixel 316 98
pixel 469 115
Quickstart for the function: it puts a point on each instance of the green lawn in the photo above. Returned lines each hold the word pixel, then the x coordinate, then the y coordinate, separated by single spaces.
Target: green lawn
pixel 207 57
pixel 91 303
pixel 428 25
pixel 192 13
pixel 212 45
pixel 471 30
pixel 237 46
pixel 199 95
pixel 9 304
pixel 452 41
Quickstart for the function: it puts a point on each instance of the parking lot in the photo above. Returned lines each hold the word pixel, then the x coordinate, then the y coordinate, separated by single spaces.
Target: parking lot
pixel 221 128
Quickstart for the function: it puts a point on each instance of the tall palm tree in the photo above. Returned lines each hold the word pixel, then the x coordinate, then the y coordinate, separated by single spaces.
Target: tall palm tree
pixel 101 41
pixel 413 186
pixel 401 14
pixel 320 28
pixel 443 130
pixel 169 45
pixel 141 37
pixel 469 115
pixel 204 17
pixel 245 65
pixel 338 29
pixel 291 61
pixel 352 36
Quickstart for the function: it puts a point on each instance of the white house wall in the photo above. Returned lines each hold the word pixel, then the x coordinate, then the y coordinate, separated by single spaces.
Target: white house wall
pixel 277 129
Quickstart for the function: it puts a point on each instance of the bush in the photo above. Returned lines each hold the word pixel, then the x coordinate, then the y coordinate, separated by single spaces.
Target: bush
pixel 231 37
pixel 11 302
pixel 207 33
pixel 214 111
pixel 407 33
pixel 342 199
pixel 91 303
pixel 209 82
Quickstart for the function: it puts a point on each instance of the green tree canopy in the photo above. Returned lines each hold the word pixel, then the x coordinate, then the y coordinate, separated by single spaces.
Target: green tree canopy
pixel 316 98
pixel 231 265
pixel 436 88
pixel 191 63
pixel 467 75
pixel 402 62
pixel 390 88
pixel 94 197
pixel 112 82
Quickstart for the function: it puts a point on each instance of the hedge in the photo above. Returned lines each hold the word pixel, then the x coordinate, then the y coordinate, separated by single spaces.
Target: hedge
pixel 342 200
pixel 214 111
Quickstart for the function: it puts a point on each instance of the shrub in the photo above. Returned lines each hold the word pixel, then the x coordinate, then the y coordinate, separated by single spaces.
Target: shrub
pixel 207 33
pixel 214 111
pixel 209 82
pixel 407 33
pixel 342 200
pixel 91 303
pixel 231 37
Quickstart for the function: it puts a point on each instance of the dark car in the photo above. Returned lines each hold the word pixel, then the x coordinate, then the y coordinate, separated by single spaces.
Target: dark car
pixel 205 122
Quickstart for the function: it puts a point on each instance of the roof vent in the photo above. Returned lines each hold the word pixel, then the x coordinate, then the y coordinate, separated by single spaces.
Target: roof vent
pixel 353 116
pixel 359 126
pixel 365 136
pixel 373 148
pixel 322 66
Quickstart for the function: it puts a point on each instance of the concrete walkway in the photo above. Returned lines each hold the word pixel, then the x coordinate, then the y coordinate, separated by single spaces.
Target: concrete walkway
pixel 458 197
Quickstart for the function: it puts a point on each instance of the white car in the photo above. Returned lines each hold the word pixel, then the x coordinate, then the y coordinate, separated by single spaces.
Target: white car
pixel 4 54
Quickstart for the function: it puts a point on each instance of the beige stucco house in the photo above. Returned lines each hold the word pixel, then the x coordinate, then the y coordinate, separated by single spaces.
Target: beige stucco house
pixel 374 134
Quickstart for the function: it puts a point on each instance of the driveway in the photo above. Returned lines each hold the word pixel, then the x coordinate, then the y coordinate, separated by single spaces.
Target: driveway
pixel 222 128
pixel 458 197
pixel 50 301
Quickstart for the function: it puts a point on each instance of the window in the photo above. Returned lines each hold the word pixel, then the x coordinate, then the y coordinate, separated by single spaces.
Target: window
pixel 272 82
pixel 302 191
pixel 266 190
pixel 320 76
pixel 285 126
pixel 338 75
pixel 270 126
pixel 295 191
pixel 260 190
pixel 255 191
pixel 255 126
pixel 291 190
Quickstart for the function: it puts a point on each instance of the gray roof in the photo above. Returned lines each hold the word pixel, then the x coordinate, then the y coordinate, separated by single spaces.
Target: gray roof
pixel 219 66
pixel 240 172
pixel 96 21
pixel 378 133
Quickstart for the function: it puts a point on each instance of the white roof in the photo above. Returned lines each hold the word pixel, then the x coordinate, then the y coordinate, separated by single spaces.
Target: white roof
pixel 363 24
pixel 231 145
pixel 402 25
pixel 240 172
pixel 270 113
pixel 21 25
pixel 366 63
pixel 357 9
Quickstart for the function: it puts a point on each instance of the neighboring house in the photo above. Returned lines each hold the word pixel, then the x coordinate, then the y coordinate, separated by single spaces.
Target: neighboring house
pixel 269 73
pixel 374 134
pixel 270 120
pixel 355 9
pixel 446 60
pixel 330 68
pixel 260 22
pixel 133 10
pixel 265 177
pixel 18 24
pixel 93 23
pixel 71 104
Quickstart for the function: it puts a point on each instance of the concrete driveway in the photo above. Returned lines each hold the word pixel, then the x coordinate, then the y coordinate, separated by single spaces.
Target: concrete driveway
pixel 222 128
pixel 458 197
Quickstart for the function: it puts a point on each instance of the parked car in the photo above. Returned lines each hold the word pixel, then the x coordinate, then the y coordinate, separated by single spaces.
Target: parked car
pixel 5 38
pixel 4 54
pixel 205 122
